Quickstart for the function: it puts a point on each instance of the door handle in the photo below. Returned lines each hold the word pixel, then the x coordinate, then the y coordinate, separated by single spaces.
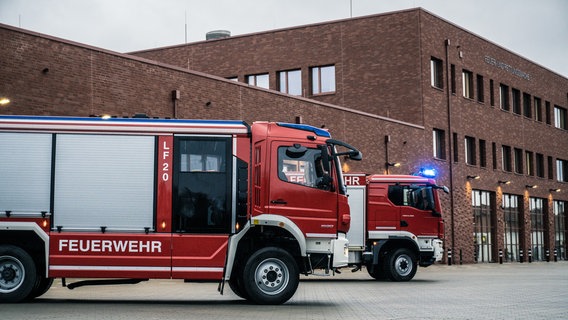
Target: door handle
pixel 278 201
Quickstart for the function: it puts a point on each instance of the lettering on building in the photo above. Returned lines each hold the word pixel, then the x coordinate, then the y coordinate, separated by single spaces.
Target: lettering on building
pixel 502 65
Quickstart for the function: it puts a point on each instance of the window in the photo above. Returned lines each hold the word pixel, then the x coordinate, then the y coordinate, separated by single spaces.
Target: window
pixel 537 109
pixel 529 162
pixel 436 73
pixel 512 219
pixel 560 117
pixel 482 154
pixel 258 80
pixel 302 166
pixel 455 147
pixel 540 165
pixel 491 93
pixel 527 108
pixel 470 150
pixel 504 97
pixel 550 165
pixel 467 77
pixel 453 73
pixel 236 79
pixel 518 154
pixel 483 204
pixel 516 101
pixel 506 152
pixel 439 143
pixel 290 82
pixel 560 231
pixel 202 184
pixel 536 208
pixel 494 155
pixel 323 79
pixel 480 89
pixel 547 112
pixel 419 197
pixel 561 170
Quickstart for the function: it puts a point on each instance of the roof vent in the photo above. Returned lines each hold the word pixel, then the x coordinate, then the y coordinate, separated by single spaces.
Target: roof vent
pixel 217 34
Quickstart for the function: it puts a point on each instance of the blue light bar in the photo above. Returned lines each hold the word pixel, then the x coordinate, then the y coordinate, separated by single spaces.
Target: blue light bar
pixel 305 127
pixel 427 172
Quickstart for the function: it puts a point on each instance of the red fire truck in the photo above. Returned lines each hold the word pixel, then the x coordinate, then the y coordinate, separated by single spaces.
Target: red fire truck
pixel 118 200
pixel 396 224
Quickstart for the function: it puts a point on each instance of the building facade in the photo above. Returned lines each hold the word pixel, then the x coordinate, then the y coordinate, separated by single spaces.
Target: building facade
pixel 406 87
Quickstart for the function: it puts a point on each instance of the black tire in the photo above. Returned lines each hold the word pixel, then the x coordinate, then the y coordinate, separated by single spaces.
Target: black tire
pixel 270 276
pixel 17 274
pixel 236 283
pixel 400 265
pixel 377 272
pixel 41 286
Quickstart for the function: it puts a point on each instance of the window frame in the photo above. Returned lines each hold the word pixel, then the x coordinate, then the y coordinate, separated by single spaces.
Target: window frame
pixel 317 80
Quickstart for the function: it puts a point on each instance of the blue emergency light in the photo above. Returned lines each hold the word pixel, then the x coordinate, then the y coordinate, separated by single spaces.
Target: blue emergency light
pixel 427 172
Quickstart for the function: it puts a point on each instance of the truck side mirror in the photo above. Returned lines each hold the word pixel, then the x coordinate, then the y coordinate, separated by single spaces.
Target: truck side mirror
pixel 356 155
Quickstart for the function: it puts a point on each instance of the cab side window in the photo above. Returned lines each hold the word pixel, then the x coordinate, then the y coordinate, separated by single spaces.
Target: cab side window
pixel 303 166
pixel 419 197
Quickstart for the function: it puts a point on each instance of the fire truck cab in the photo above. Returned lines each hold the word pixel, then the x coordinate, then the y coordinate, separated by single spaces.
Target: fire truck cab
pixel 199 200
pixel 396 224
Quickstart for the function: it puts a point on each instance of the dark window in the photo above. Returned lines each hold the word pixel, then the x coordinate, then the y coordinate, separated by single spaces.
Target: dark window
pixel 518 160
pixel 506 156
pixel 419 197
pixel 437 73
pixel 202 185
pixel 494 154
pixel 470 150
pixel 453 72
pixel 439 143
pixel 537 109
pixel 456 147
pixel 550 170
pixel 540 165
pixel 527 108
pixel 480 89
pixel 482 154
pixel 491 93
pixel 504 97
pixel 547 112
pixel 516 101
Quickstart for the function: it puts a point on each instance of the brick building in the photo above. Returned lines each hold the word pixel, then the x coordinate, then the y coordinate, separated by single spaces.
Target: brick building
pixel 405 87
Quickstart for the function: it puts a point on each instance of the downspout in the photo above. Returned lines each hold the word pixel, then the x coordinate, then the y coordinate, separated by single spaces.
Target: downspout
pixel 450 156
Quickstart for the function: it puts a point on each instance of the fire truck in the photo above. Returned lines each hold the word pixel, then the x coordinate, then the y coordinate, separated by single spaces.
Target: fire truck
pixel 98 201
pixel 396 224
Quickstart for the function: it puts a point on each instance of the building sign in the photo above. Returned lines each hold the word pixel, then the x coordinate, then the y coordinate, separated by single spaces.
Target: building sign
pixel 506 67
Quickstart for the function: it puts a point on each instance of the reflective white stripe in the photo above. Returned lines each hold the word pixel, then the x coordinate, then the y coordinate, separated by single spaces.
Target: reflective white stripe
pixel 108 268
pixel 321 235
pixel 197 269
pixel 385 228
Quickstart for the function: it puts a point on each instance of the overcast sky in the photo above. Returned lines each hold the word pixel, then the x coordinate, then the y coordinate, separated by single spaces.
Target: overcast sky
pixel 534 29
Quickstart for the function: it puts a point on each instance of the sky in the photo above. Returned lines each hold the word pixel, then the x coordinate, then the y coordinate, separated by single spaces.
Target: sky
pixel 534 29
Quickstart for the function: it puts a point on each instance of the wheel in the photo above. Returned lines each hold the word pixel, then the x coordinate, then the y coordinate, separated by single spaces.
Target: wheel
pixel 17 274
pixel 41 286
pixel 376 271
pixel 401 265
pixel 270 276
pixel 236 283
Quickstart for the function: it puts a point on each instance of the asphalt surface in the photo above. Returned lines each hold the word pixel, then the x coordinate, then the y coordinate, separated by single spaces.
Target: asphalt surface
pixel 478 291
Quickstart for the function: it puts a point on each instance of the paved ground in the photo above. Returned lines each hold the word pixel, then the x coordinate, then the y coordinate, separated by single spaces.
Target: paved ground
pixel 484 291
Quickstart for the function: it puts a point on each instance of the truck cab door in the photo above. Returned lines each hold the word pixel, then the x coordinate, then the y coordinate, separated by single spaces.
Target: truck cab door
pixel 302 190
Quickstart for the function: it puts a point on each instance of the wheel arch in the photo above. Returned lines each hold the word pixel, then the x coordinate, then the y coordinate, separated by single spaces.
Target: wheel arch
pixel 29 237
